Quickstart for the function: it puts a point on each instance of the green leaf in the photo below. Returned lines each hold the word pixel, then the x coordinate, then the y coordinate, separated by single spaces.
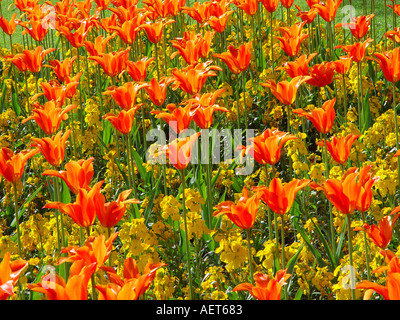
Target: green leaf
pixel 292 262
pixel 27 201
pixel 328 249
pixel 65 193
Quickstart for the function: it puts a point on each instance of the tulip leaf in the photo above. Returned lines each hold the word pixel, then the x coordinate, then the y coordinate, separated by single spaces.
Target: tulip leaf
pixel 328 249
pixel 147 211
pixel 65 193
pixel 27 201
pixel 139 164
pixel 107 133
pixel 292 262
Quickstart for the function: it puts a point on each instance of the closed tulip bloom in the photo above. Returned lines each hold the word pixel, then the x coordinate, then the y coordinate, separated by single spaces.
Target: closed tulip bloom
pixel 390 64
pixel 12 165
pixel 53 149
pixel 322 74
pixel 10 272
pixel 381 234
pixel 270 5
pixel 287 3
pixel 291 38
pixel 357 50
pixel 112 212
pixel 359 26
pixel 77 174
pixel 243 214
pixel 266 147
pixel 138 70
pixel 178 118
pixel 74 289
pixel 280 197
pixel 285 91
pixel 203 116
pixel 157 90
pixel 123 122
pixel 265 288
pixel 83 210
pixel 343 65
pixel 125 95
pixel 237 60
pixel 49 116
pixel 339 148
pixel 322 118
pixel 248 6
pixel 328 9
pixel 343 194
pixel 179 151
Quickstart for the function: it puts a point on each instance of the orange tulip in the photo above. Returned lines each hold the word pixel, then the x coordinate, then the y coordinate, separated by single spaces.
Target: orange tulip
pixel 110 213
pixel 36 28
pixel 138 70
pixel 178 118
pixel 62 69
pixel 53 90
pixel 76 38
pixel 154 30
pixel 83 210
pixel 357 50
pixel 9 275
pixel 129 29
pixel 359 26
pixel 343 194
pixel 366 180
pixel 162 9
pixel 179 151
pixel 243 214
pixel 192 79
pixel 9 27
pixel 322 74
pixel 199 11
pixel 99 45
pixel 266 147
pixel 322 118
pixel 380 235
pixel 343 65
pixel 312 2
pixel 12 164
pixel 31 59
pixel 95 250
pixel 307 16
pixel 237 60
pixel 112 63
pixel 218 15
pixel 285 91
pixel 328 9
pixel 125 95
pixel 74 289
pixel 393 35
pixel 49 116
pixel 248 6
pixel 133 285
pixel 339 148
pixel 395 8
pixel 53 149
pixel 265 288
pixel 192 46
pixel 123 122
pixel 270 5
pixel 287 3
pixel 77 174
pixel 18 60
pixel 203 116
pixel 157 90
pixel 291 38
pixel 280 197
pixel 299 67
pixel 390 64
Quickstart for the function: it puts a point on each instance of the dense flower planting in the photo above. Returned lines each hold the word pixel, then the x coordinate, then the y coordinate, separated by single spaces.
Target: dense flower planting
pixel 214 150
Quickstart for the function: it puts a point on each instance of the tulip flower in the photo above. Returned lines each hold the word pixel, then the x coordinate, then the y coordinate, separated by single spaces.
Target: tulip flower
pixel 53 149
pixel 203 116
pixel 322 74
pixel 10 272
pixel 285 91
pixel 280 197
pixel 99 45
pixel 178 118
pixel 248 6
pixel 393 35
pixel 380 235
pixel 179 151
pixel 322 118
pixel 123 122
pixel 266 147
pixel 339 148
pixel 287 3
pixel 129 29
pixel 157 90
pixel 77 174
pixel 192 78
pixel 389 63
pixel 133 285
pixel 328 9
pixel 237 60
pixel 154 30
pixel 138 70
pixel 357 50
pixel 31 60
pixel 112 63
pixel 265 288
pixel 198 11
pixel 12 164
pixel 219 14
pixel 125 95
pixel 299 67
pixel 270 5
pixel 343 65
pixel 9 27
pixel 74 289
pixel 110 213
pixel 36 28
pixel 307 16
pixel 358 26
pixel 366 180
pixel 291 38
pixel 77 37
pixel 62 69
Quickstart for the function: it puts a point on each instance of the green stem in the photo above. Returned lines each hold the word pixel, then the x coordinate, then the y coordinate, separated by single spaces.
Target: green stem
pixel 209 193
pixel 396 129
pixel 283 252
pixel 248 231
pixel 186 235
pixel 17 219
pixel 366 251
pixel 353 296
